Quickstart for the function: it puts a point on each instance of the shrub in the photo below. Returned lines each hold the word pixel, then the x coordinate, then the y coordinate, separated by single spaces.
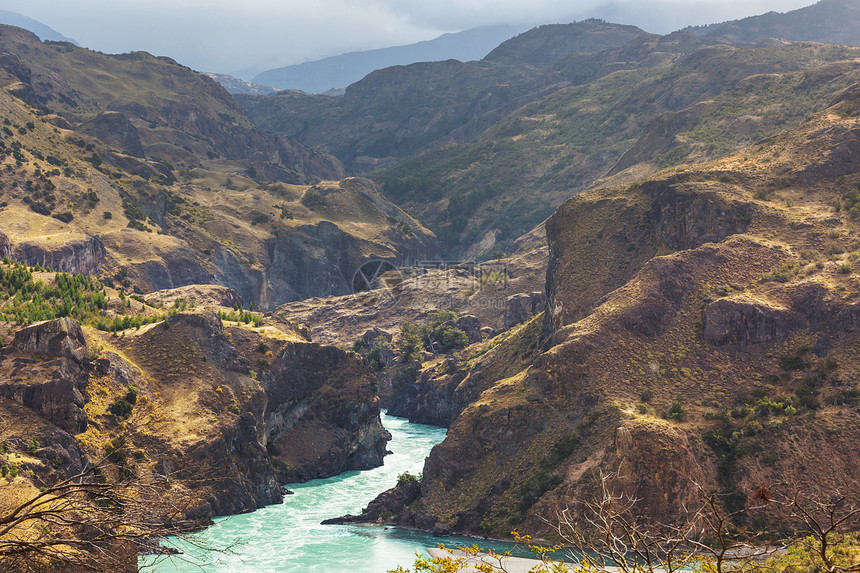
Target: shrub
pixel 409 341
pixel 440 335
pixel 40 208
pixel 792 362
pixel 312 199
pixel 407 478
pixel 676 410
pixel 121 408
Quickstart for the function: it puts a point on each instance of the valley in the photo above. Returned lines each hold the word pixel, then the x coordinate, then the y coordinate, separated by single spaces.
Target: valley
pixel 597 257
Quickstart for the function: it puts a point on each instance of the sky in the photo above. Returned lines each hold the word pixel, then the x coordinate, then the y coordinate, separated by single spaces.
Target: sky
pixel 248 36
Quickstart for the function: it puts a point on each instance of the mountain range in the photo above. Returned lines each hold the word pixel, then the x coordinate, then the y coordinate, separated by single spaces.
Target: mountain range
pixel 340 71
pixel 41 30
pixel 668 304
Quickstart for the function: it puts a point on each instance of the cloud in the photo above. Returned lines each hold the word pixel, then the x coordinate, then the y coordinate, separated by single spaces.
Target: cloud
pixel 226 35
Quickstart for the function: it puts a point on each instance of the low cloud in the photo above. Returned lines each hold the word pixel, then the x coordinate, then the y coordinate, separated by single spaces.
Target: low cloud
pixel 226 36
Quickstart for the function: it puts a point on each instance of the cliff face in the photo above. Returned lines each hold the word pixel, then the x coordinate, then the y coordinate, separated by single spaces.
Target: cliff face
pixel 51 383
pixel 700 332
pixel 229 414
pixel 322 416
pixel 82 257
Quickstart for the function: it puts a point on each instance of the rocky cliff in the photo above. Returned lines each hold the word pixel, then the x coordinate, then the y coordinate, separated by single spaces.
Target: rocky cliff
pixel 700 332
pixel 229 414
pixel 322 415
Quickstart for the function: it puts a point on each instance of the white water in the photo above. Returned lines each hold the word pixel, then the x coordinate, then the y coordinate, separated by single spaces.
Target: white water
pixel 289 538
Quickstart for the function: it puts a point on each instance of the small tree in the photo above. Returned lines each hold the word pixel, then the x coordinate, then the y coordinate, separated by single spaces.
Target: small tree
pixel 409 341
pixel 88 523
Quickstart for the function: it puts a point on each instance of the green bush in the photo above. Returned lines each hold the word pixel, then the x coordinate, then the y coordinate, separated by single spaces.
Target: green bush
pixel 407 478
pixel 676 410
pixel 409 342
pixel 121 408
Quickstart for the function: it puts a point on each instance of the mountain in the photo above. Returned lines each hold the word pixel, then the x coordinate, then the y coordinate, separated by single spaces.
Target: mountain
pixel 445 140
pixel 395 112
pixel 680 323
pixel 150 175
pixel 829 21
pixel 544 46
pixel 237 86
pixel 700 336
pixel 340 71
pixel 44 32
pixel 672 106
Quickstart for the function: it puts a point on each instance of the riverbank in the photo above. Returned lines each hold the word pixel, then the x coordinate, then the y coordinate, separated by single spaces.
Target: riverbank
pixel 289 538
pixel 501 564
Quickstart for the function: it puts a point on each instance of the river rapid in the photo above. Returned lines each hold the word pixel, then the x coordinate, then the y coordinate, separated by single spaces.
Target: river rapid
pixel 289 538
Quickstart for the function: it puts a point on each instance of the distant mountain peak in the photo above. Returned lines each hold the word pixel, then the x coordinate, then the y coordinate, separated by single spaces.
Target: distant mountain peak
pixel 320 76
pixel 545 45
pixel 43 31
pixel 826 21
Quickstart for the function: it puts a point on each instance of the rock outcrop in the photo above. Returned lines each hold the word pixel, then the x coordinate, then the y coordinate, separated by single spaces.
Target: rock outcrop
pixel 116 130
pixel 519 307
pixel 322 414
pixel 197 294
pixel 5 246
pixel 54 381
pixel 61 337
pixel 83 257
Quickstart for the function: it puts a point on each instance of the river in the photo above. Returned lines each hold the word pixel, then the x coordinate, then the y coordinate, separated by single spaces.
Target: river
pixel 288 538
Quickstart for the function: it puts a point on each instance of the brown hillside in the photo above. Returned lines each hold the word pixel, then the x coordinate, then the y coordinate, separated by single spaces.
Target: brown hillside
pixel 704 330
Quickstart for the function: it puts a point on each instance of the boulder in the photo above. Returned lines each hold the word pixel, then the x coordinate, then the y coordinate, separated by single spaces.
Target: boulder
pixel 519 307
pixel 471 326
pixel 61 337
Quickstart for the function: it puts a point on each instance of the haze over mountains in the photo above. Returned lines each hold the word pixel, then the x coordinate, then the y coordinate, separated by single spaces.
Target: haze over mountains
pixel 44 32
pixel 340 71
pixel 669 228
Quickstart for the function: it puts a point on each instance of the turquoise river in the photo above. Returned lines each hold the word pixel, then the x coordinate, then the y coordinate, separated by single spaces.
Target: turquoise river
pixel 288 538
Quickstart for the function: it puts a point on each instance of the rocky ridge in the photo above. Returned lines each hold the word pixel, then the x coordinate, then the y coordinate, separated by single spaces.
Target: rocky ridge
pixel 692 318
pixel 110 177
pixel 217 408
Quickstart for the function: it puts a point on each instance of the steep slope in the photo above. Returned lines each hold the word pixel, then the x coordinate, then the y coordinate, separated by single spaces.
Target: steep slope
pixel 652 104
pixel 151 175
pixel 395 112
pixel 179 116
pixel 702 330
pixel 227 410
